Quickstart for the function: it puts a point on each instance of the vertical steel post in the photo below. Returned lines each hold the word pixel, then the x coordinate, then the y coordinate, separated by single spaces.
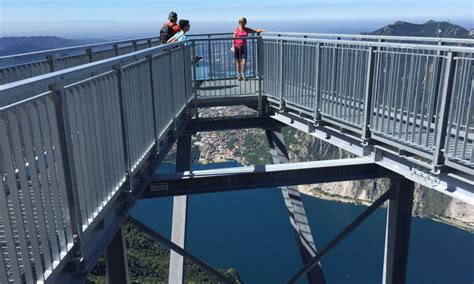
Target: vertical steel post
pixel 116 49
pixel 209 56
pixel 67 160
pixel 172 70
pixel 180 204
pixel 116 259
pixel 317 85
pixel 441 128
pixel 123 122
pixel 397 235
pixel 296 211
pixel 90 54
pixel 282 73
pixel 51 62
pixel 368 95
pixel 152 82
pixel 135 45
pixel 260 74
pixel 195 87
pixel 183 48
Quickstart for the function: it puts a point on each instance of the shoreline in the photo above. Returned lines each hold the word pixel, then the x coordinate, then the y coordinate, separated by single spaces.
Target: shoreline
pixel 311 191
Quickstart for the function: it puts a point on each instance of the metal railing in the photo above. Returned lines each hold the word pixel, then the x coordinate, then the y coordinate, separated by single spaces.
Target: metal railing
pixel 396 93
pixel 67 153
pixel 22 66
pixel 216 73
pixel 378 38
pixel 72 138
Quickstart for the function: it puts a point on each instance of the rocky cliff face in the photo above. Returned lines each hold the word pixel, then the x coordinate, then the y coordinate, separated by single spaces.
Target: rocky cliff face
pixel 427 203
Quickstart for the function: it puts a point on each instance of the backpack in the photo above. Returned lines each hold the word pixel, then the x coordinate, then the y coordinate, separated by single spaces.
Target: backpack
pixel 166 32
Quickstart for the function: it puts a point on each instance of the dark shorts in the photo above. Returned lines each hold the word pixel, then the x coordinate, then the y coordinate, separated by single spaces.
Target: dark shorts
pixel 240 52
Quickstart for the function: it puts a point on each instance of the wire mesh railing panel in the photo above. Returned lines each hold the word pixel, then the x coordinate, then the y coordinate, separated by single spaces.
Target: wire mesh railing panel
pixel 138 107
pixel 94 125
pixel 216 73
pixel 460 132
pixel 35 234
pixel 406 95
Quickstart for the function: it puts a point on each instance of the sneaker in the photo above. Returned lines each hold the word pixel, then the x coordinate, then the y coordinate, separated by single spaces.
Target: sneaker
pixel 239 78
pixel 245 78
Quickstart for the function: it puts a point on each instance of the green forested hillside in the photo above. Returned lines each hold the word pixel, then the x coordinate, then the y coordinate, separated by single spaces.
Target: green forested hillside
pixel 148 262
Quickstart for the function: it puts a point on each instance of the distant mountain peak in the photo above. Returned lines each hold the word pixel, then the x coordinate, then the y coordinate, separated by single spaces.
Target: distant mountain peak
pixel 430 22
pixel 429 29
pixel 24 44
pixel 399 23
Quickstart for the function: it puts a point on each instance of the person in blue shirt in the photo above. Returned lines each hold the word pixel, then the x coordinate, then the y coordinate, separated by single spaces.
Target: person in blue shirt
pixel 181 35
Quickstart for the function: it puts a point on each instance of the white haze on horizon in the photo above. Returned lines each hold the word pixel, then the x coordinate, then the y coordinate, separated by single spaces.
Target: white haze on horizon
pixel 118 30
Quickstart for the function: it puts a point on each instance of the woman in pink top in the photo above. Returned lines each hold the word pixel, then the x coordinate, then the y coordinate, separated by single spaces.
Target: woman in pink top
pixel 239 46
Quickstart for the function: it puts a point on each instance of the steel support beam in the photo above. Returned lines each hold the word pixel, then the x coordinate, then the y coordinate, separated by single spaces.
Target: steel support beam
pixel 397 236
pixel 250 101
pixel 220 123
pixel 180 204
pixel 117 209
pixel 295 206
pixel 116 259
pixel 341 236
pixel 264 176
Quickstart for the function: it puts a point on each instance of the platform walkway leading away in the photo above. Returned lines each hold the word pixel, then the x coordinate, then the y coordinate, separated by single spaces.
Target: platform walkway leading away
pixel 79 144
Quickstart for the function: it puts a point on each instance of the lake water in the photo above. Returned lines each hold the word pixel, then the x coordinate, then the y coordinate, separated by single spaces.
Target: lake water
pixel 249 230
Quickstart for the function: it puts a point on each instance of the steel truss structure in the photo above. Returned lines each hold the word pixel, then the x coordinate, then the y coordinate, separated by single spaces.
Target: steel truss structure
pixel 83 130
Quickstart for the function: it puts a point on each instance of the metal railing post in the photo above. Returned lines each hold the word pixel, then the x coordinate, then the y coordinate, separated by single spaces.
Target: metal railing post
pixel 149 42
pixel 67 161
pixel 123 123
pixel 317 85
pixel 51 62
pixel 282 74
pixel 335 61
pixel 116 48
pixel 135 45
pixel 195 90
pixel 183 48
pixel 90 54
pixel 209 55
pixel 368 95
pixel 173 103
pixel 255 57
pixel 260 74
pixel 152 82
pixel 441 128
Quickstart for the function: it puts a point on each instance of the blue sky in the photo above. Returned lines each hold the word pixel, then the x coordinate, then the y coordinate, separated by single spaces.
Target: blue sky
pixel 113 19
pixel 222 10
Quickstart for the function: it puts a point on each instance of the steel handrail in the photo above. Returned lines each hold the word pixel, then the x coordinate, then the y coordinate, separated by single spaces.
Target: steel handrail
pixel 9 58
pixel 437 40
pixel 9 89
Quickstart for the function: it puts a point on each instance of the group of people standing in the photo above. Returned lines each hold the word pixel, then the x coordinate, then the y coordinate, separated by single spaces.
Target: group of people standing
pixel 174 31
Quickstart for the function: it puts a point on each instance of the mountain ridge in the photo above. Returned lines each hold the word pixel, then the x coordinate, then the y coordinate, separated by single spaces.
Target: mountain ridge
pixel 25 44
pixel 430 28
